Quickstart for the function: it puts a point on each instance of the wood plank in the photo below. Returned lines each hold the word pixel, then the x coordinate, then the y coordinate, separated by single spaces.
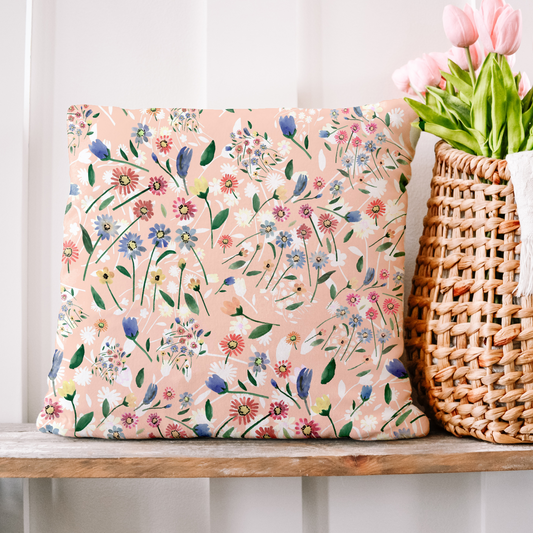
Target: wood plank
pixel 24 452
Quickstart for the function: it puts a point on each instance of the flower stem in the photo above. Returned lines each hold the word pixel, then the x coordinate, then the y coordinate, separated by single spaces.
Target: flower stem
pixel 351 353
pixel 146 275
pixel 113 243
pixel 211 221
pixel 250 262
pixel 300 146
pixel 130 199
pixel 316 286
pixel 282 276
pixel 274 273
pixel 285 297
pixel 258 321
pixel 348 344
pixel 166 170
pixel 127 163
pixel 180 422
pixel 261 278
pixel 343 289
pixel 229 258
pixel 138 345
pixel 90 255
pixel 255 424
pixel 203 301
pixel 307 407
pixel 203 269
pixel 110 413
pixel 395 415
pixel 245 392
pixel 374 337
pixel 246 238
pixel 307 261
pixel 185 185
pixel 316 231
pixel 329 211
pixel 335 245
pixel 155 293
pixel 75 416
pixel 397 242
pixel 333 426
pixel 133 276
pixel 357 408
pixel 290 397
pixel 470 66
pixel 329 336
pixel 103 194
pixel 261 207
pixel 113 296
pixel 179 290
pixel 223 425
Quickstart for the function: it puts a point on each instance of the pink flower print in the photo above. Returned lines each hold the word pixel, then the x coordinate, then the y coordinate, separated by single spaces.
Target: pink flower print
pixel 371 314
pixel 281 213
pixel 373 297
pixel 356 142
pixel 305 211
pixel 353 299
pixel 371 127
pixel 341 137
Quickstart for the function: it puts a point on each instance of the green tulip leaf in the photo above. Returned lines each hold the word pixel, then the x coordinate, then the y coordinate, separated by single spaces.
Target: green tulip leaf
pixel 346 430
pixel 77 358
pixel 139 379
pixel 208 155
pixel 97 298
pixel 219 219
pixel 167 298
pixel 84 421
pixel 259 331
pixel 329 372
pixel 191 303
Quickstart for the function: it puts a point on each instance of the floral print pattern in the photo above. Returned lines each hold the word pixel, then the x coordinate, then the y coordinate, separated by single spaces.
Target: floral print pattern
pixel 234 274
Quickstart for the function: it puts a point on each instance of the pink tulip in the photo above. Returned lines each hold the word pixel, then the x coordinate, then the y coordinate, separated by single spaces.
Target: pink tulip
pixel 423 72
pixel 499 27
pixel 458 56
pixel 441 59
pixel 400 77
pixel 459 27
pixel 524 86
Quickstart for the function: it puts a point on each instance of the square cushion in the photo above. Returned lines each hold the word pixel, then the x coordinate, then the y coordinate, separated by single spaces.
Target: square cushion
pixel 234 273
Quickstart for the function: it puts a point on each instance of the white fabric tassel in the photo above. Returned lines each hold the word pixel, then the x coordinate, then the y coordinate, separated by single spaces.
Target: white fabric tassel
pixel 520 166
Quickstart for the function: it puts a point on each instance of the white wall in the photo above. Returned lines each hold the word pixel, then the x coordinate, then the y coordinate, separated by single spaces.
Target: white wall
pixel 206 53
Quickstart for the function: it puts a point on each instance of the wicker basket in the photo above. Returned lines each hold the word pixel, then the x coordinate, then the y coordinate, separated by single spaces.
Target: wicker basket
pixel 469 339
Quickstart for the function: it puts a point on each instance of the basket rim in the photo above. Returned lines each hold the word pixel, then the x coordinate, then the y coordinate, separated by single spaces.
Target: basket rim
pixel 488 168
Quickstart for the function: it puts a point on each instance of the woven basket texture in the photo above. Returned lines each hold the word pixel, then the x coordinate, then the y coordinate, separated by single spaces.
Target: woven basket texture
pixel 469 339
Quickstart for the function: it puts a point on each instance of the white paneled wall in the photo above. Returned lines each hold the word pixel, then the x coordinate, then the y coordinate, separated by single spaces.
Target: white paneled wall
pixel 206 53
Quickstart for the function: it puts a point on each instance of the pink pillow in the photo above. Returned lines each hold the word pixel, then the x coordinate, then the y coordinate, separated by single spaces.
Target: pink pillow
pixel 234 273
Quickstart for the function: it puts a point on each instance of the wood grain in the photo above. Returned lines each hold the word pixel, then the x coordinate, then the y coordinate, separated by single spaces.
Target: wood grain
pixel 27 453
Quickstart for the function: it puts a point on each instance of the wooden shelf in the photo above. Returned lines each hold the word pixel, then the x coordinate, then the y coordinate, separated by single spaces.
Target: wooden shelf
pixel 27 453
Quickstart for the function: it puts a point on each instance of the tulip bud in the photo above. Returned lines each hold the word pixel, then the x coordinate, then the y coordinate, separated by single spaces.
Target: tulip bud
pixel 499 27
pixel 458 27
pixel 524 86
pixel 400 77
pixel 508 30
pixel 423 72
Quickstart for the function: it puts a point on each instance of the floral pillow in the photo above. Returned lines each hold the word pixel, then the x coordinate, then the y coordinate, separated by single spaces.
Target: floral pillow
pixel 234 273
